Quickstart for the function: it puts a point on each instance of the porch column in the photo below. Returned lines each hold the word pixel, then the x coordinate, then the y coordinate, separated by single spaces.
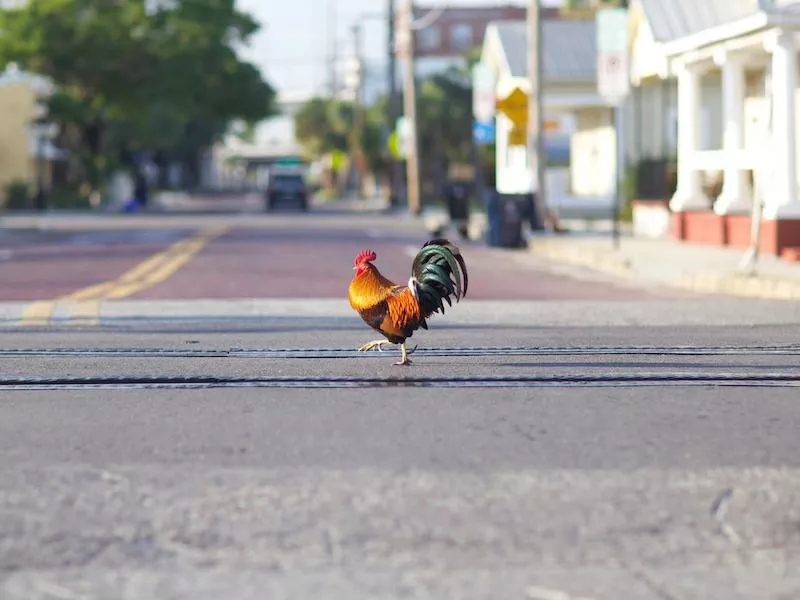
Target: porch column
pixel 781 199
pixel 689 193
pixel 735 196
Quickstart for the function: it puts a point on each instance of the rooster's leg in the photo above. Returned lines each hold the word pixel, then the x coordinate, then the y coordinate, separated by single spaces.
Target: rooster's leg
pixel 375 344
pixel 404 360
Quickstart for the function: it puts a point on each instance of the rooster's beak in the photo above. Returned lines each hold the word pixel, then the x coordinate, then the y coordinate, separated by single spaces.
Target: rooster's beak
pixel 355 268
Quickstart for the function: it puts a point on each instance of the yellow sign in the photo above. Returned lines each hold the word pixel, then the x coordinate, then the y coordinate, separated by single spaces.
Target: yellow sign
pixel 515 106
pixel 337 160
pixel 551 125
pixel 517 136
pixel 394 145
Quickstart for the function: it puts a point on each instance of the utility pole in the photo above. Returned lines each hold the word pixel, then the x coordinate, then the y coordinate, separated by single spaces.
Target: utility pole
pixel 358 109
pixel 537 158
pixel 410 109
pixel 333 49
pixel 395 167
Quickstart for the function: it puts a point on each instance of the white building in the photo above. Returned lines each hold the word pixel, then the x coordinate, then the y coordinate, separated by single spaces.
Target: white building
pixel 709 64
pixel 570 95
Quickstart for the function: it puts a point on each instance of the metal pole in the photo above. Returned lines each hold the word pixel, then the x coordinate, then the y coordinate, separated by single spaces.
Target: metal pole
pixel 358 111
pixel 762 172
pixel 477 163
pixel 410 110
pixel 619 128
pixel 537 159
pixel 395 167
pixel 334 48
pixel 38 202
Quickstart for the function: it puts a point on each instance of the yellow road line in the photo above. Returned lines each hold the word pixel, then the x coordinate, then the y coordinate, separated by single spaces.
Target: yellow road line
pixel 146 274
pixel 38 313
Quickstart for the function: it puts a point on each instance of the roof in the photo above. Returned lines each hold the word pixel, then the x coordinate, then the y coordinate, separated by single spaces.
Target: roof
pixel 674 19
pixel 568 48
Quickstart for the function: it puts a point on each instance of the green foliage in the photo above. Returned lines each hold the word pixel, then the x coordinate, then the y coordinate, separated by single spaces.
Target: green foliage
pixel 628 192
pixel 572 5
pixel 138 74
pixel 17 195
pixel 325 125
pixel 444 114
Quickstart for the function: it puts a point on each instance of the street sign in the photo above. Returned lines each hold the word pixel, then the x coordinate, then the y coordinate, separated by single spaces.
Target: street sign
pixel 515 107
pixel 613 74
pixel 404 133
pixel 517 136
pixel 337 160
pixel 613 83
pixel 393 144
pixel 483 92
pixel 483 132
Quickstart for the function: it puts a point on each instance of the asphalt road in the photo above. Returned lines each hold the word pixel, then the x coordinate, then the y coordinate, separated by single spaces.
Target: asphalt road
pixel 213 434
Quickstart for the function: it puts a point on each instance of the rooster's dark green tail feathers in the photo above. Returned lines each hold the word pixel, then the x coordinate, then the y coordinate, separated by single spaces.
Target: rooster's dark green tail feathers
pixel 439 272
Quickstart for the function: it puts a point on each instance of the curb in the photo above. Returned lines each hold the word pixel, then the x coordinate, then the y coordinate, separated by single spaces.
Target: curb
pixel 733 284
pixel 603 261
pixel 742 285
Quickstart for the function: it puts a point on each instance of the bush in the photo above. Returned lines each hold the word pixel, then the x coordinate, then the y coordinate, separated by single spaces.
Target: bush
pixel 17 196
pixel 66 198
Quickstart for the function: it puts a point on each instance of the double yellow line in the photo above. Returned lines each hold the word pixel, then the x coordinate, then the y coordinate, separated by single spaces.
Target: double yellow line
pixel 159 267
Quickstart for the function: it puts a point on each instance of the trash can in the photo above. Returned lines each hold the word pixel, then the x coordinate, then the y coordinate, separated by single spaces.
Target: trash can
pixel 505 214
pixel 457 194
pixel 529 212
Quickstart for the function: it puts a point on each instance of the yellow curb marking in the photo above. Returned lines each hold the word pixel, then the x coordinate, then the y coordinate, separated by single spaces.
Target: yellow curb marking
pixel 153 270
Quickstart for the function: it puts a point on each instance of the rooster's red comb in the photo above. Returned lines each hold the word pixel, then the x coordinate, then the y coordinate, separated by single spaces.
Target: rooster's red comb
pixel 365 256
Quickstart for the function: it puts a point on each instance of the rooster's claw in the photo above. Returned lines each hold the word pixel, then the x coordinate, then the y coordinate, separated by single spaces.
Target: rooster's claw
pixel 376 344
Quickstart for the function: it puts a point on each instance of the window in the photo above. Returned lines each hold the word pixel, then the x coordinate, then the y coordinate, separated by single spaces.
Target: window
pixel 461 37
pixel 429 38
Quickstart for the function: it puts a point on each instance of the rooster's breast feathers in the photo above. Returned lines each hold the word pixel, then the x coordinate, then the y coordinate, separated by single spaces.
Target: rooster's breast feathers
pixel 391 309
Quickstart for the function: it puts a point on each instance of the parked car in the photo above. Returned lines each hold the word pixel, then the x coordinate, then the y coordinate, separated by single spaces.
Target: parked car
pixel 287 188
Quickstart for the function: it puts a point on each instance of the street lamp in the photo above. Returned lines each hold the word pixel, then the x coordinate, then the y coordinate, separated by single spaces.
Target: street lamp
pixel 44 133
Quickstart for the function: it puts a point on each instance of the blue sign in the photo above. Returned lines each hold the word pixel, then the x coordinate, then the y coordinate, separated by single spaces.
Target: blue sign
pixel 483 133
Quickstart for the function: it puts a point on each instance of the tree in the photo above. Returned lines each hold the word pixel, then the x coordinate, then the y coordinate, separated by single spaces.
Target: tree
pixel 444 114
pixel 322 125
pixel 325 125
pixel 137 75
pixel 592 5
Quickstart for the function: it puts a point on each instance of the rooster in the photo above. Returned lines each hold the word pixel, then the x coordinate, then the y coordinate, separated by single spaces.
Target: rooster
pixel 438 274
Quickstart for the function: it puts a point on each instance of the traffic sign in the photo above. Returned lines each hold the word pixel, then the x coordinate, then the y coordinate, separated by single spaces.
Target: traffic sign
pixel 613 79
pixel 404 133
pixel 393 143
pixel 613 75
pixel 483 92
pixel 483 132
pixel 515 107
pixel 517 136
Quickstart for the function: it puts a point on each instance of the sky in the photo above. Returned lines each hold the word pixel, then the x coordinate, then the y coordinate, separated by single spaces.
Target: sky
pixel 293 47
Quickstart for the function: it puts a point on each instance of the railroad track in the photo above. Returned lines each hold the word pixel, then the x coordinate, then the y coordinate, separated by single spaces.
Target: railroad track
pixel 495 381
pixel 783 376
pixel 455 351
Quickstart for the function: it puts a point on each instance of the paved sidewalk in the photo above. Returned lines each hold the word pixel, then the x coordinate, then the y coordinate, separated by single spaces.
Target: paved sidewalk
pixel 688 266
pixel 696 267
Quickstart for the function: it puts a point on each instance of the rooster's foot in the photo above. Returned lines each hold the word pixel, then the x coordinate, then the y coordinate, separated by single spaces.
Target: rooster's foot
pixel 404 360
pixel 375 344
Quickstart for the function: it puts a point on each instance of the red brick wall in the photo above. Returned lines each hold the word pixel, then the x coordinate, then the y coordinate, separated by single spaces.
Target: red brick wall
pixel 475 18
